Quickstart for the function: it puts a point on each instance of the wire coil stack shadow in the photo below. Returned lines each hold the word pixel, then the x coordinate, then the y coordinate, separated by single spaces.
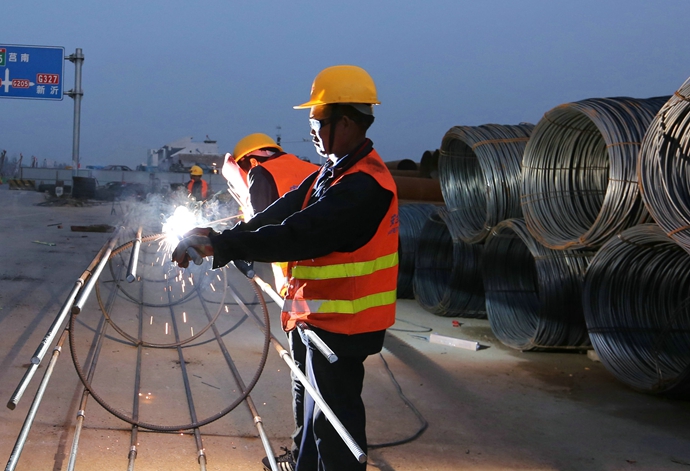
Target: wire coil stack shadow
pixel 579 184
pixel 447 279
pixel 479 169
pixel 637 308
pixel 664 167
pixel 533 294
pixel 412 220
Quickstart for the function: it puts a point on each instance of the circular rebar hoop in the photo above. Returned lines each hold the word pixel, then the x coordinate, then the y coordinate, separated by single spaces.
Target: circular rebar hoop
pixel 637 308
pixel 579 179
pixel 480 171
pixel 664 167
pixel 533 294
pixel 412 219
pixel 447 279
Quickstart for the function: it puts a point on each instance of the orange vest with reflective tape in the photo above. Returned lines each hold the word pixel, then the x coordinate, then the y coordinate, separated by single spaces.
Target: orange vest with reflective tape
pixel 350 292
pixel 204 188
pixel 288 171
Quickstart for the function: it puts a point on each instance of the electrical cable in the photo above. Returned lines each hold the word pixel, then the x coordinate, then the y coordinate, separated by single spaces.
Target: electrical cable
pixel 533 294
pixel 579 171
pixel 480 172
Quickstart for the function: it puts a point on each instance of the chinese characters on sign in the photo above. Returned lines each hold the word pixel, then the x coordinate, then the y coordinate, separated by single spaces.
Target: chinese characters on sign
pixel 33 72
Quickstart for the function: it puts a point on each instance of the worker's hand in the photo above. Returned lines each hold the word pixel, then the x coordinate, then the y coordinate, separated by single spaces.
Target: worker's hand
pixel 200 231
pixel 201 243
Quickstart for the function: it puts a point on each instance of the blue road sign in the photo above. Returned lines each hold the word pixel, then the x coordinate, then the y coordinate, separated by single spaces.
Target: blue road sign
pixel 33 72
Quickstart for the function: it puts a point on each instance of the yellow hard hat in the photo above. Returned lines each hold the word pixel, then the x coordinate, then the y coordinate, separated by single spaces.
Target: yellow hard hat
pixel 196 171
pixel 342 84
pixel 253 142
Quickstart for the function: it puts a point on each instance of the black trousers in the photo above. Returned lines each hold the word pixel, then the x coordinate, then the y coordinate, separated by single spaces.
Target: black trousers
pixel 316 444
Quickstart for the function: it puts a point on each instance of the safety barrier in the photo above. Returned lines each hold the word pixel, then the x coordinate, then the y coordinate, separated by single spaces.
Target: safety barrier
pixel 21 184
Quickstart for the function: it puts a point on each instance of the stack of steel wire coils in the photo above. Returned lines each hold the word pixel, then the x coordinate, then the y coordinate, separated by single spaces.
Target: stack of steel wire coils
pixel 479 168
pixel 533 294
pixel 412 219
pixel 447 279
pixel 664 166
pixel 580 171
pixel 637 307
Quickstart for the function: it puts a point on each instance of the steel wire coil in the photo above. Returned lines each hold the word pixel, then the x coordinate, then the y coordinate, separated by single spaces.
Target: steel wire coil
pixel 412 219
pixel 664 167
pixel 533 294
pixel 479 169
pixel 447 279
pixel 579 171
pixel 636 301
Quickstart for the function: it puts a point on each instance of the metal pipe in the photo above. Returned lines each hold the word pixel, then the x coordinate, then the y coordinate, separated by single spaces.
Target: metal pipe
pixel 76 94
pixel 50 335
pixel 320 345
pixel 134 258
pixel 28 422
pixel 86 291
pixel 358 453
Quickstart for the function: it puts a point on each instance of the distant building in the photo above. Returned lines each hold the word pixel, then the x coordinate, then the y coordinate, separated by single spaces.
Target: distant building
pixel 180 155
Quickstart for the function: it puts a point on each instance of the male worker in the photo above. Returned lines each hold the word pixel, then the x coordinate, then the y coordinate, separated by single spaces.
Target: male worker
pixel 197 187
pixel 270 172
pixel 339 231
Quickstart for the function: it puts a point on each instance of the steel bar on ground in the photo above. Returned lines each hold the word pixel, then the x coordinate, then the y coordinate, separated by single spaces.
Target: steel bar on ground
pixel 93 279
pixel 358 453
pixel 50 335
pixel 31 415
pixel 133 442
pixel 256 418
pixel 134 257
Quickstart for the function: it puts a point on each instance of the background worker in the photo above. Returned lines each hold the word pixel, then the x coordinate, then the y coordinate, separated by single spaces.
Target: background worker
pixel 339 231
pixel 197 187
pixel 270 174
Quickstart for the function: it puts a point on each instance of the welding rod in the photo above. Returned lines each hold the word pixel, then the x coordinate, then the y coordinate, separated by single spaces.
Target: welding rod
pixel 359 455
pixel 134 258
pixel 31 415
pixel 86 291
pixel 52 333
pixel 313 337
pixel 195 256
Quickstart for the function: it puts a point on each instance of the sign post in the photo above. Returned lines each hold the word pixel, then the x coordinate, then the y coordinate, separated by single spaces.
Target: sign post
pixel 36 73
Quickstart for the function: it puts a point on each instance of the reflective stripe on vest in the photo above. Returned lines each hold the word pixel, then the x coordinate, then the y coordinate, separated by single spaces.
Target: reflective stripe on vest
pixel 340 306
pixel 345 270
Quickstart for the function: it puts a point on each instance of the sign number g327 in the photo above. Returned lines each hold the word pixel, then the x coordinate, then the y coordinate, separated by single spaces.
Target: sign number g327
pixel 3 60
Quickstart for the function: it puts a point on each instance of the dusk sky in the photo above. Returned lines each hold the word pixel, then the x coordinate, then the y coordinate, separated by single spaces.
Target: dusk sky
pixel 157 71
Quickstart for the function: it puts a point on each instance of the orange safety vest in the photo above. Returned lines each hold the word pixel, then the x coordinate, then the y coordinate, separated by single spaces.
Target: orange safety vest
pixel 204 188
pixel 288 171
pixel 350 292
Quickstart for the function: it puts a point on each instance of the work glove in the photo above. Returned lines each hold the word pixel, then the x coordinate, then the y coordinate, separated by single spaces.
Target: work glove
pixel 198 238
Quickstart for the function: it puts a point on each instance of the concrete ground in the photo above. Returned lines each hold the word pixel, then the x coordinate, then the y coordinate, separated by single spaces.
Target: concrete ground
pixel 492 409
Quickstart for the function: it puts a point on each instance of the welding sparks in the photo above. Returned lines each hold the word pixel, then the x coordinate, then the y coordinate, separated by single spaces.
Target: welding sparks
pixel 192 328
pixel 151 322
pixel 184 317
pixel 226 309
pixel 212 287
pixel 166 328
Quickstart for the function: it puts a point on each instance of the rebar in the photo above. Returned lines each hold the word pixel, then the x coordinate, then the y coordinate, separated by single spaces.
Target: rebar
pixel 579 171
pixel 480 172
pixel 447 277
pixel 533 294
pixel 637 308
pixel 664 167
pixel 134 257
